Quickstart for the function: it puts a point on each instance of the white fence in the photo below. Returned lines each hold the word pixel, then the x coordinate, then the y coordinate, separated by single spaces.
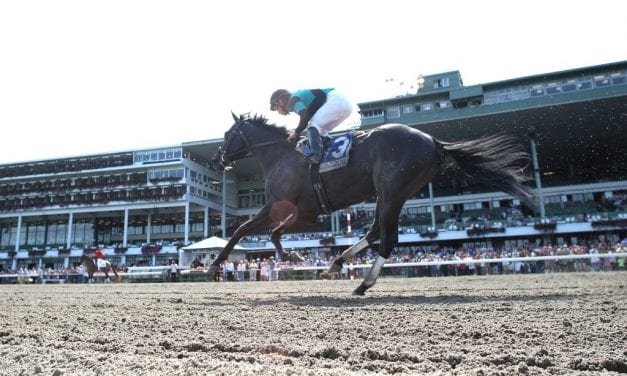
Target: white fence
pixel 479 261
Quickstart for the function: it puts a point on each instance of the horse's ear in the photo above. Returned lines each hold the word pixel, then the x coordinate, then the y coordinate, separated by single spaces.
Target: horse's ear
pixel 234 116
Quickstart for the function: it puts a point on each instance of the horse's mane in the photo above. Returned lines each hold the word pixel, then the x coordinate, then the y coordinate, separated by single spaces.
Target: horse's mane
pixel 262 122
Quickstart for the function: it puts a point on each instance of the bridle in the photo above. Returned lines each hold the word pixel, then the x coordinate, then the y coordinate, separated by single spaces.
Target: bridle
pixel 226 159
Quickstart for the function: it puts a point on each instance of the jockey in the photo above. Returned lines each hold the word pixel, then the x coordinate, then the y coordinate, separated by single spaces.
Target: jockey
pixel 320 111
pixel 99 255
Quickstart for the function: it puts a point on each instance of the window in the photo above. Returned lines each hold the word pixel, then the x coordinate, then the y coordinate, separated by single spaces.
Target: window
pixel 489 98
pixel 408 109
pixel 537 91
pixel 426 107
pixel 418 210
pixel 618 78
pixel 472 205
pixel 442 104
pixel 584 83
pixel 157 155
pixel 369 114
pixel 393 112
pixel 601 80
pixel 570 85
pixel 553 88
pixel 440 82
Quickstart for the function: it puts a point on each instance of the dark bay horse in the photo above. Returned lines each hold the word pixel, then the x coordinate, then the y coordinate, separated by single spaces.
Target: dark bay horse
pixel 391 162
pixel 91 267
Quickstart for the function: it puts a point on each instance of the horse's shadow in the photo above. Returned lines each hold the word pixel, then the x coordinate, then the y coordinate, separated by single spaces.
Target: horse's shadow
pixel 446 299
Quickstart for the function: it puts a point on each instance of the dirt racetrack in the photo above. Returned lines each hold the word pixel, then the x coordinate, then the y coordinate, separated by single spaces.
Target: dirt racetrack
pixel 519 324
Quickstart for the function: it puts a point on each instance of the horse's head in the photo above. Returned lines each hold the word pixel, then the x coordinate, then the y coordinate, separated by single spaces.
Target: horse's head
pixel 244 135
pixel 235 146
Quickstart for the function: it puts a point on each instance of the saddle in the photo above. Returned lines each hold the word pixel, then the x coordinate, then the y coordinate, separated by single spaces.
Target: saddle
pixel 335 155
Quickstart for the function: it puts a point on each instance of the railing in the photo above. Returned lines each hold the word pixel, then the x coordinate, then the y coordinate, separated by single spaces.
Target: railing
pixel 531 264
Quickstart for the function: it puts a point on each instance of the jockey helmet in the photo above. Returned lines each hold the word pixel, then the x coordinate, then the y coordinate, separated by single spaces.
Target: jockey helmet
pixel 275 97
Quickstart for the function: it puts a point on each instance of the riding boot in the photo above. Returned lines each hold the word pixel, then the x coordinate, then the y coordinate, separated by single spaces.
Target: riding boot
pixel 315 144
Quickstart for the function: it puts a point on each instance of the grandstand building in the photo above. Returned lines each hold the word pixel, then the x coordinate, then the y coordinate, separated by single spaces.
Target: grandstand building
pixel 141 205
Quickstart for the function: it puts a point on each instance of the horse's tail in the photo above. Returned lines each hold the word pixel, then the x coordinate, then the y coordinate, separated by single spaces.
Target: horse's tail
pixel 496 161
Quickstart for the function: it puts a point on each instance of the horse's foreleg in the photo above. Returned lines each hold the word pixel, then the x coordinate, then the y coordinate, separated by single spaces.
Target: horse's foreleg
pixel 275 238
pixel 261 219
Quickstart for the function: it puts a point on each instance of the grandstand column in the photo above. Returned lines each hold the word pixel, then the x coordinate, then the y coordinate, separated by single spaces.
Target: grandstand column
pixel 206 224
pixel 148 228
pixel 431 205
pixel 536 169
pixel 17 242
pixel 17 235
pixel 349 232
pixel 125 236
pixel 335 222
pixel 68 242
pixel 186 236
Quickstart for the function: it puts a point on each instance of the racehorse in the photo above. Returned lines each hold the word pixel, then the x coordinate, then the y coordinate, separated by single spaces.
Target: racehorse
pixel 391 162
pixel 91 267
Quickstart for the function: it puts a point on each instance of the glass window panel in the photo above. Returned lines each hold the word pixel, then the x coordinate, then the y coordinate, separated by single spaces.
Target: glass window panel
pixel 602 80
pixel 393 111
pixel 618 78
pixel 570 86
pixel 584 85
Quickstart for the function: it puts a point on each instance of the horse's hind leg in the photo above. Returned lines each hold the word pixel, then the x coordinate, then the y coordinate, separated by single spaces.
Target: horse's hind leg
pixel 388 220
pixel 371 237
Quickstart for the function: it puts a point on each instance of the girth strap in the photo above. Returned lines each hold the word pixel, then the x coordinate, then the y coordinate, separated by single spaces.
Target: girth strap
pixel 318 187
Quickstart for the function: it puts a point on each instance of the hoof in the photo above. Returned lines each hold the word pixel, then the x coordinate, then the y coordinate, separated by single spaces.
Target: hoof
pixel 360 291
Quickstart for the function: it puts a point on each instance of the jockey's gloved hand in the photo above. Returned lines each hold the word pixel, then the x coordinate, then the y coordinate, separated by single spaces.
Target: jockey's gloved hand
pixel 293 137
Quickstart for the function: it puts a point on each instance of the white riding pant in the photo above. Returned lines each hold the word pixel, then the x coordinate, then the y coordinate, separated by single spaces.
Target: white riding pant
pixel 332 113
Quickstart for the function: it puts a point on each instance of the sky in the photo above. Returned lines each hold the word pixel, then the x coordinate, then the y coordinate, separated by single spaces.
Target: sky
pixel 88 77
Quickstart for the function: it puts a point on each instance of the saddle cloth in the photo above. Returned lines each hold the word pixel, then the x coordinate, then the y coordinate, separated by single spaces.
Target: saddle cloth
pixel 336 154
pixel 101 263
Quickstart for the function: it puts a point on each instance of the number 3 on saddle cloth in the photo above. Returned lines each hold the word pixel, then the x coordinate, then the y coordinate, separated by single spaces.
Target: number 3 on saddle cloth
pixel 335 151
pixel 101 263
pixel 335 155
